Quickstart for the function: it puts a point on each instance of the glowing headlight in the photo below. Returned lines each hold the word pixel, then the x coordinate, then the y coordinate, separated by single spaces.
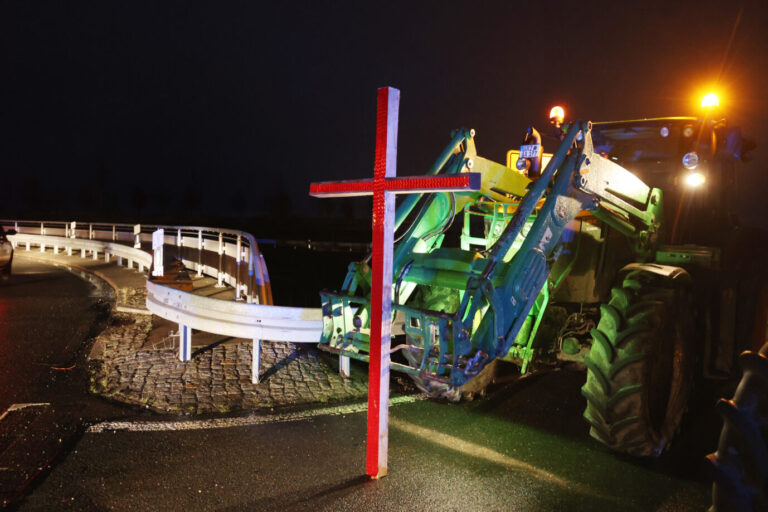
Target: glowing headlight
pixel 694 179
pixel 690 160
pixel 710 100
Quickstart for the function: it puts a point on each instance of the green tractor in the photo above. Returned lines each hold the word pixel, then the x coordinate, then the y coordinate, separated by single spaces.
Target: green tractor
pixel 618 251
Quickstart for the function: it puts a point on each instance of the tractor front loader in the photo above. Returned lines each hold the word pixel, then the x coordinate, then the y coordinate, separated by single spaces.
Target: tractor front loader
pixel 572 262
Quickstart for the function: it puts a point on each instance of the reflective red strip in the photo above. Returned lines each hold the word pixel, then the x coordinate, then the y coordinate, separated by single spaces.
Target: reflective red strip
pixel 456 182
pixel 338 188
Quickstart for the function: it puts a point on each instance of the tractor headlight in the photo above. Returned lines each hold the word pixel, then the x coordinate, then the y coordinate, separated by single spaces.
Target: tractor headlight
pixel 710 100
pixel 694 179
pixel 690 160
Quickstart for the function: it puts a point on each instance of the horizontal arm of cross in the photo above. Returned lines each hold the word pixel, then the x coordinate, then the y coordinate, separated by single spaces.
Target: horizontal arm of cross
pixel 467 181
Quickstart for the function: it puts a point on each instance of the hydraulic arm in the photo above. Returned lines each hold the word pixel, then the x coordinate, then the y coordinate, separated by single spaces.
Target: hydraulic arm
pixel 498 287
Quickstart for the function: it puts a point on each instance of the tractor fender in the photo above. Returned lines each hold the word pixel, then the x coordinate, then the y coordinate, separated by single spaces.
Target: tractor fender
pixel 667 271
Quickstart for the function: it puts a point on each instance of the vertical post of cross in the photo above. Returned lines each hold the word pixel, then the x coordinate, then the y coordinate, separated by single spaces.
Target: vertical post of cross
pixel 387 110
pixel 383 187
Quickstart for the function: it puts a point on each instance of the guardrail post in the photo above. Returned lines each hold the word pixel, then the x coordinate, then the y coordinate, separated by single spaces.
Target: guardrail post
pixel 42 233
pixel 199 252
pixel 114 232
pixel 158 240
pixel 72 234
pixel 95 254
pixel 185 343
pixel 82 253
pixel 106 256
pixel 90 231
pixel 344 366
pixel 238 259
pixel 265 276
pixel 220 273
pixel 179 244
pixel 27 245
pixel 55 248
pixel 256 363
pixel 251 277
pixel 119 260
pixel 137 232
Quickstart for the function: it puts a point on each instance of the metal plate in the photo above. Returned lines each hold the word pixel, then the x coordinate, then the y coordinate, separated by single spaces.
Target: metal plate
pixel 530 150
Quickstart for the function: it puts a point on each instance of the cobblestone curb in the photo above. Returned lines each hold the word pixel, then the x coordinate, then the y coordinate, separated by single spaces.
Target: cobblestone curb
pixel 131 297
pixel 218 380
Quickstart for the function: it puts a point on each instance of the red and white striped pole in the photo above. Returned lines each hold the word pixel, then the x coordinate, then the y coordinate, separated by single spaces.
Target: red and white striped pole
pixel 384 186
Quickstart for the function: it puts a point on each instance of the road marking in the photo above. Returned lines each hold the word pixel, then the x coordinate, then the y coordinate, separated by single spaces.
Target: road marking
pixel 241 421
pixel 475 450
pixel 482 452
pixel 18 407
pixel 135 311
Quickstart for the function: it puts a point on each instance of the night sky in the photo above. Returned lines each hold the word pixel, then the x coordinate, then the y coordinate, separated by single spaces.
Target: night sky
pixel 231 108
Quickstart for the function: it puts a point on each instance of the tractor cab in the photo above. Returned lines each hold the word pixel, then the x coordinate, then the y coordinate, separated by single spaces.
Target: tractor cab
pixel 691 159
pixel 654 149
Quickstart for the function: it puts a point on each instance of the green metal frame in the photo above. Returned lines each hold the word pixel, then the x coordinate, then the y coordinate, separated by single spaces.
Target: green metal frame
pixel 502 278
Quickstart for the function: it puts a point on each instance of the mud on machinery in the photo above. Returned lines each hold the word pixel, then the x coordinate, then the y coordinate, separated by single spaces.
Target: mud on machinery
pixel 617 251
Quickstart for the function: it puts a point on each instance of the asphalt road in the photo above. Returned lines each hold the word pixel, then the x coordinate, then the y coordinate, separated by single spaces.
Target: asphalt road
pixel 525 447
pixel 47 315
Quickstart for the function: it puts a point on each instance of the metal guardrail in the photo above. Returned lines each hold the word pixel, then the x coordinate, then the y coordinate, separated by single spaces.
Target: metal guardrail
pixel 236 319
pixel 216 252
pixel 141 258
pixel 255 318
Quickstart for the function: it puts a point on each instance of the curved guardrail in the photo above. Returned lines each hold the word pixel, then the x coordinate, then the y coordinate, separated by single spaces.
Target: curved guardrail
pixel 142 258
pixel 236 319
pixel 254 318
pixel 216 252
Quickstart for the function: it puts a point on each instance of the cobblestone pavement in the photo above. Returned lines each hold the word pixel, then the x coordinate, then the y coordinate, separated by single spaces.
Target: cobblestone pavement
pixel 126 367
pixel 216 380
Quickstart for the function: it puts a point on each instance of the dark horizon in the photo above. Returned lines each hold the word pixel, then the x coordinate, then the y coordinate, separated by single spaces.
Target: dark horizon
pixel 184 109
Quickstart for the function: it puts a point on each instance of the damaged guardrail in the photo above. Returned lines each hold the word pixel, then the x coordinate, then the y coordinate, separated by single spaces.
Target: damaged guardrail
pixel 210 251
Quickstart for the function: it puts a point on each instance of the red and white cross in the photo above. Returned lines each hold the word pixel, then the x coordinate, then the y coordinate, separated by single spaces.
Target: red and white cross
pixel 383 187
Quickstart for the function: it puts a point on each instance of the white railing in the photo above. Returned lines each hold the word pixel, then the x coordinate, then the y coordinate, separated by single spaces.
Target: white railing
pixel 255 318
pixel 193 242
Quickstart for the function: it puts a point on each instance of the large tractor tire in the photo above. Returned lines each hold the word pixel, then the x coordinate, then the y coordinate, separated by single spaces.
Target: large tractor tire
pixel 740 464
pixel 640 366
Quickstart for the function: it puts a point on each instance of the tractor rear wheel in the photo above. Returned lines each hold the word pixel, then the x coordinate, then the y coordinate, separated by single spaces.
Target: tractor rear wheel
pixel 640 366
pixel 740 464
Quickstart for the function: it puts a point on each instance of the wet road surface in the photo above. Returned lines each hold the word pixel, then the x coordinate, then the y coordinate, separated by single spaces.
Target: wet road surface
pixel 47 314
pixel 525 448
